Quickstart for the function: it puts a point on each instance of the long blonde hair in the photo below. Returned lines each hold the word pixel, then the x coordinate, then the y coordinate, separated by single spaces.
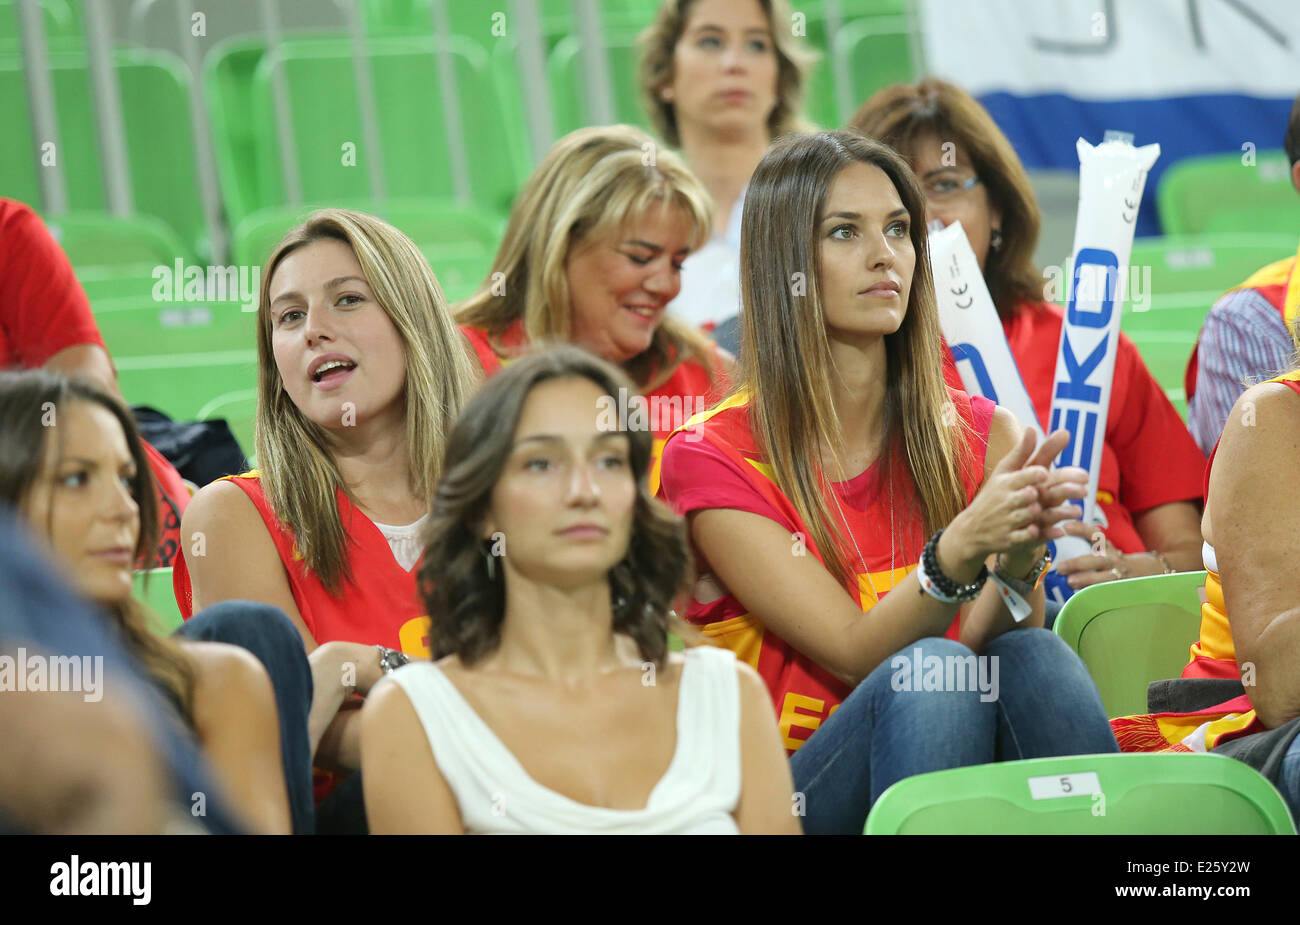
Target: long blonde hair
pixel 298 471
pixel 589 186
pixel 786 365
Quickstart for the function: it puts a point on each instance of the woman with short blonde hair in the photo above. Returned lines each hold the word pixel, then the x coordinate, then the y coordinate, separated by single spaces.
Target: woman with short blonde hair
pixel 592 256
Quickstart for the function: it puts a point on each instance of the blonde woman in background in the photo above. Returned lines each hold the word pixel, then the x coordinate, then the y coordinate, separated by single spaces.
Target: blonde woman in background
pixel 592 256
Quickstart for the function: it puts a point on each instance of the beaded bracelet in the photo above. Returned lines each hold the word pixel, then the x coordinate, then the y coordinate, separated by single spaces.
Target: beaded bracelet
pixel 938 585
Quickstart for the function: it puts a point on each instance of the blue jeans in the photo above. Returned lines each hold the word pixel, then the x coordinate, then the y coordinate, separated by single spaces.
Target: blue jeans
pixel 267 633
pixel 1045 705
pixel 1288 779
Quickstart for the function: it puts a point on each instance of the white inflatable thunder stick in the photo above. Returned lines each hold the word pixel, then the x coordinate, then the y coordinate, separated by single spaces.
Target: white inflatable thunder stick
pixel 1111 178
pixel 971 326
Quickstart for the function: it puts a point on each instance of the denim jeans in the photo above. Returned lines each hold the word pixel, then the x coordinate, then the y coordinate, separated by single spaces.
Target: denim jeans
pixel 1288 779
pixel 267 633
pixel 1045 705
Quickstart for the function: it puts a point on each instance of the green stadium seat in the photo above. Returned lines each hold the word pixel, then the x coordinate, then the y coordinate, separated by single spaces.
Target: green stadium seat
pixel 62 26
pixel 460 242
pixel 1136 794
pixel 228 84
pixel 325 117
pixel 1218 193
pixel 160 147
pixel 1188 274
pixel 153 588
pixel 180 385
pixel 239 410
pixel 879 53
pixel 99 245
pixel 569 87
pixel 1132 632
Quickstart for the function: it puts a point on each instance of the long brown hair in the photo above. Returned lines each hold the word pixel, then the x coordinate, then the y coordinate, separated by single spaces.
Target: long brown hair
pixel 786 366
pixel 658 44
pixel 901 114
pixel 296 466
pixel 466 604
pixel 26 400
pixel 588 187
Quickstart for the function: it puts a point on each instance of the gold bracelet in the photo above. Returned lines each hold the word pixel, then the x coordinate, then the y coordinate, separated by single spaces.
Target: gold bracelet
pixel 1169 569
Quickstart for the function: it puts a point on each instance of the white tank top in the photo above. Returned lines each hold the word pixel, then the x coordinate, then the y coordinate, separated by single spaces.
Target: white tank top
pixel 697 795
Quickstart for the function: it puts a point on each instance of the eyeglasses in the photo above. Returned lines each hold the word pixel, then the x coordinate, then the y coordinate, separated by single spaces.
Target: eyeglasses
pixel 948 186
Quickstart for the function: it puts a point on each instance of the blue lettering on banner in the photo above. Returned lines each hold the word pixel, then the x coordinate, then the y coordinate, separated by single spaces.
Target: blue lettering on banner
pixel 1094 257
pixel 1076 386
pixel 1081 438
pixel 968 353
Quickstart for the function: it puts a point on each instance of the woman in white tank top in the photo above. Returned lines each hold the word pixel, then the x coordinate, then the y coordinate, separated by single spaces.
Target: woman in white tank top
pixel 553 705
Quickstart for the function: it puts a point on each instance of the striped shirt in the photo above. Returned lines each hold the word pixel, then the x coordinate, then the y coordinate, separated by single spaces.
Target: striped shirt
pixel 1244 341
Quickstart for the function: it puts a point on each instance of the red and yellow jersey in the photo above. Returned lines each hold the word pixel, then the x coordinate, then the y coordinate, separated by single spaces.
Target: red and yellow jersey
pixel 1279 284
pixel 688 391
pixel 379 605
pixel 173 498
pixel 716 464
pixel 1213 655
pixel 1148 457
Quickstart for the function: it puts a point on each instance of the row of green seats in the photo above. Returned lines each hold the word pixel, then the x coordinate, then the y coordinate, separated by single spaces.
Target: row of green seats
pixel 1128 634
pixel 1134 794
pixel 1187 275
pixel 1229 193
pixel 155 94
pixel 329 148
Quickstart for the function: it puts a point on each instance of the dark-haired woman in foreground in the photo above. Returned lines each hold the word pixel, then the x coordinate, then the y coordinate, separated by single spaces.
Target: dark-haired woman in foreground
pixel 554 705
pixel 812 489
pixel 73 465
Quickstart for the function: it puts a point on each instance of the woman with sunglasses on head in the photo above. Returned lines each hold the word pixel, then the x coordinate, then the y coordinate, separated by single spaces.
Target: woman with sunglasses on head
pixel 554 705
pixel 811 490
pixel 1150 479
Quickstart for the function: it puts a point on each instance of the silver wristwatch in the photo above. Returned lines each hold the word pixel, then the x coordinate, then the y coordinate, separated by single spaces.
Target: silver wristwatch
pixel 389 659
pixel 1029 583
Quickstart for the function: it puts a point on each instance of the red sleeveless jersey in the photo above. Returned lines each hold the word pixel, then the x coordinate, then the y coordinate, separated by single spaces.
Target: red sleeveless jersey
pixel 379 605
pixel 687 392
pixel 803 693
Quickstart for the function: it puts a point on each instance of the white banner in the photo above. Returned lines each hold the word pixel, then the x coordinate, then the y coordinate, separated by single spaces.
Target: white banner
pixel 1115 49
pixel 1111 178
pixel 971 326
